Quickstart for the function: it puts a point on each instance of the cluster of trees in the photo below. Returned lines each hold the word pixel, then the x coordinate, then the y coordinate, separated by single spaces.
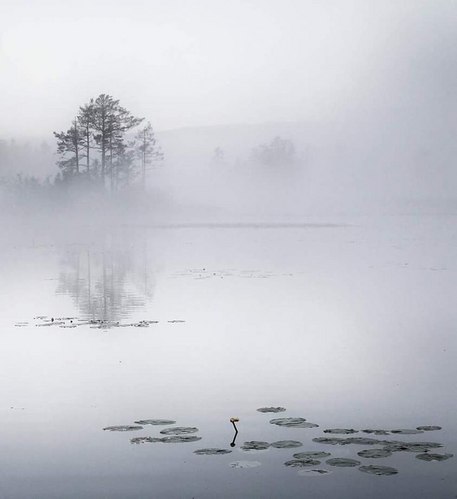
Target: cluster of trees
pixel 279 152
pixel 106 144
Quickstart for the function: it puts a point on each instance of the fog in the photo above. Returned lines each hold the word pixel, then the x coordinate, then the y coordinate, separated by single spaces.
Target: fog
pixel 363 90
pixel 212 212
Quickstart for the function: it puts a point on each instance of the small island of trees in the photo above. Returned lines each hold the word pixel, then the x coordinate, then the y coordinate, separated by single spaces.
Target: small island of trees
pixel 106 146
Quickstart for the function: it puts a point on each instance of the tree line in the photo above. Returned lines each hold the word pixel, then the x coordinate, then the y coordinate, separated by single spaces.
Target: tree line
pixel 107 145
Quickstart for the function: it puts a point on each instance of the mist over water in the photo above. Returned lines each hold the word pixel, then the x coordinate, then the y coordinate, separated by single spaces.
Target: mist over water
pixel 228 249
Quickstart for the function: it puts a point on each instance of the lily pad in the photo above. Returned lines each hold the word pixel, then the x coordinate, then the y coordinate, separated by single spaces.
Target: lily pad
pixel 179 430
pixel 406 432
pixel 271 409
pixel 123 428
pixel 397 446
pixel 347 441
pixel 374 453
pixel 155 422
pixel 342 462
pixel 212 452
pixel 429 428
pixel 341 431
pixel 255 445
pixel 173 439
pixel 378 470
pixel 245 464
pixel 377 432
pixel 286 444
pixel 311 454
pixel 301 463
pixel 311 473
pixel 434 457
pixel 293 423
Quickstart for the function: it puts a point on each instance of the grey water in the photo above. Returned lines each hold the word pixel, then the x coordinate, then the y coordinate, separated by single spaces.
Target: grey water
pixel 349 323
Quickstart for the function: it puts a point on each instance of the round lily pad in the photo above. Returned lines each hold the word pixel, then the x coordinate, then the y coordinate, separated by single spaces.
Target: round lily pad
pixel 397 446
pixel 176 439
pixel 377 432
pixel 341 431
pixel 406 432
pixel 374 453
pixel 301 463
pixel 342 462
pixel 142 440
pixel 311 473
pixel 311 455
pixel 378 470
pixel 286 444
pixel 347 441
pixel 157 422
pixel 434 457
pixel 123 428
pixel 212 452
pixel 245 464
pixel 179 430
pixel 255 445
pixel 293 423
pixel 271 409
pixel 429 428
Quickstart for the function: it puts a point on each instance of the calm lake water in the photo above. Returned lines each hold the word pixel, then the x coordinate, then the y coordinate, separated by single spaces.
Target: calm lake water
pixel 350 325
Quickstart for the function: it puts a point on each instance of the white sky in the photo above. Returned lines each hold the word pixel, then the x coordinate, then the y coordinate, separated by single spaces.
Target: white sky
pixel 201 62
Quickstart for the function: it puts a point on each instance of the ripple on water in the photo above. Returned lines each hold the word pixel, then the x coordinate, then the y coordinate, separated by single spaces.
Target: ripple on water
pixel 245 464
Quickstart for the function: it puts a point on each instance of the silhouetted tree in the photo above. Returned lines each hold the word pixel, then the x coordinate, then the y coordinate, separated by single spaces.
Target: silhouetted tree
pixel 148 150
pixel 69 146
pixel 278 152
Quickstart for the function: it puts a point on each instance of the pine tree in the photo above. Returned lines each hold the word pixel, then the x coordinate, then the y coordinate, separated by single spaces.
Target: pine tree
pixel 69 147
pixel 148 150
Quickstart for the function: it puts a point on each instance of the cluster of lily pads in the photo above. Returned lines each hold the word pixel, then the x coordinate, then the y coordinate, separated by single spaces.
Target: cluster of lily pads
pixel 307 462
pixel 73 322
pixel 204 273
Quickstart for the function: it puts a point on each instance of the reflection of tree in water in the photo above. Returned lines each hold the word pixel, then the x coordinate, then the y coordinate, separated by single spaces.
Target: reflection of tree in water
pixel 108 281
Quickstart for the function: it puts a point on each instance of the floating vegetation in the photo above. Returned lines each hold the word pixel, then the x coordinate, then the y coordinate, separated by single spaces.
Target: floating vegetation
pixel 378 470
pixel 21 324
pixel 396 446
pixel 429 428
pixel 123 428
pixel 311 455
pixel 286 444
pixel 174 439
pixel 301 463
pixel 342 462
pixel 406 432
pixel 175 321
pixel 179 430
pixel 156 422
pixel 311 473
pixel 212 452
pixel 347 441
pixel 293 423
pixel 374 453
pixel 341 431
pixel 377 432
pixel 255 445
pixel 245 464
pixel 271 409
pixel 434 457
